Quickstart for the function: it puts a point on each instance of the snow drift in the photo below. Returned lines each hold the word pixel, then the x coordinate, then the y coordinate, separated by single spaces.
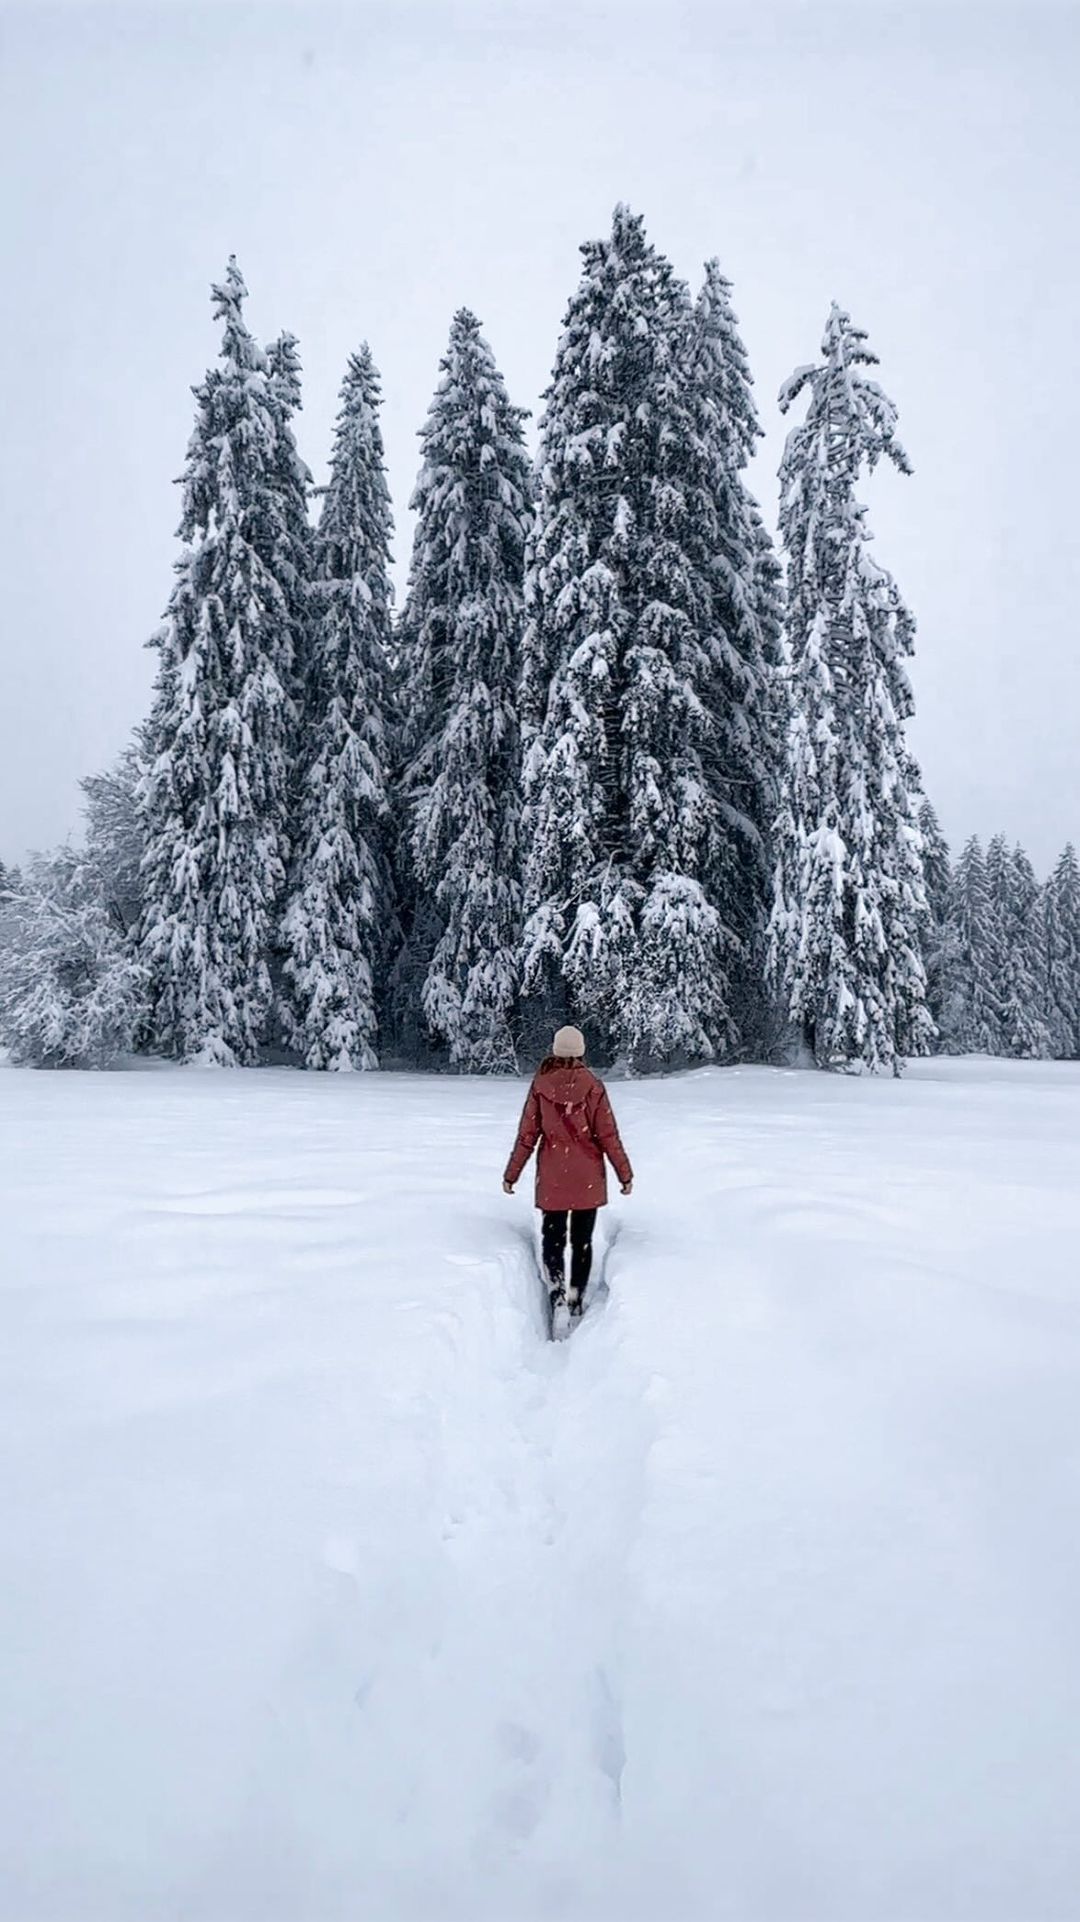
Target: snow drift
pixel 330 1589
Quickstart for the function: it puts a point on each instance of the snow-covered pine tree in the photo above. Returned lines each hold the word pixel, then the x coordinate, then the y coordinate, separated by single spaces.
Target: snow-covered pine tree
pixel 998 874
pixel 215 793
pixel 937 867
pixel 846 927
pixel 937 872
pixel 339 920
pixel 619 816
pixel 1014 894
pixel 289 530
pixel 971 1010
pixel 1061 953
pixel 742 628
pixel 998 886
pixel 460 665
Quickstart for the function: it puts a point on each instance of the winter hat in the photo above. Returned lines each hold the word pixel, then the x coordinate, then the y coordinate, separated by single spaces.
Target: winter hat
pixel 569 1041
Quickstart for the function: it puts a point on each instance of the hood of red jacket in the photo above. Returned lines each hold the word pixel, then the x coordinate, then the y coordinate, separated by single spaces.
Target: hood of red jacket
pixel 565 1084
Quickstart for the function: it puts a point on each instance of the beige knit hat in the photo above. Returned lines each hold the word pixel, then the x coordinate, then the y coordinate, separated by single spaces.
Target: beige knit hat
pixel 568 1041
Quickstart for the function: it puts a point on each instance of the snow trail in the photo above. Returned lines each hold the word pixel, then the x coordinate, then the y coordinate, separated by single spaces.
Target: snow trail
pixel 513 1723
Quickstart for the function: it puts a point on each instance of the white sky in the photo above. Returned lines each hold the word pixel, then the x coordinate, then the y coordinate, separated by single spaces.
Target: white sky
pixel 375 167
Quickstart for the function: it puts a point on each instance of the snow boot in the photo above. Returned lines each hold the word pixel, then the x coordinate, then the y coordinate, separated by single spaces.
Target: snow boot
pixel 560 1315
pixel 558 1309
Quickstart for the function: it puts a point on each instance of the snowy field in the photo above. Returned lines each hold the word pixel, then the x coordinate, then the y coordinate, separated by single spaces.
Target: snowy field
pixel 330 1591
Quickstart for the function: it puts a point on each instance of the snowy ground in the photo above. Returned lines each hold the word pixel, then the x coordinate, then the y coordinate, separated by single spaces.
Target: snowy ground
pixel 329 1591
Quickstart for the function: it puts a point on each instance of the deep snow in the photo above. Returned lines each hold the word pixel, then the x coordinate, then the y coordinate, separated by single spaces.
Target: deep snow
pixel 329 1590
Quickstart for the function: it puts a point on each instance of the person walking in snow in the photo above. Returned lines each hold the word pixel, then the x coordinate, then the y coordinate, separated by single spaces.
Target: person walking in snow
pixel 568 1112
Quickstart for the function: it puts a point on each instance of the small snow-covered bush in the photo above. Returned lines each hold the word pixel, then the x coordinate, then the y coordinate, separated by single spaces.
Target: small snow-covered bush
pixel 71 989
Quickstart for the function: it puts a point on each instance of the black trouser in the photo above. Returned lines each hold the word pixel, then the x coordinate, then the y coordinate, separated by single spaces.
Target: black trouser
pixel 553 1242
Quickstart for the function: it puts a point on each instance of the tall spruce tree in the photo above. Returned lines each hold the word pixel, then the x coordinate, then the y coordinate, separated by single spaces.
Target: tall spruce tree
pixel 214 797
pixel 998 864
pixel 1061 956
pixel 971 1007
pixel 338 924
pixel 937 873
pixel 741 627
pixel 1014 894
pixel 937 868
pixel 619 818
pixel 998 886
pixel 846 928
pixel 460 647
pixel 290 532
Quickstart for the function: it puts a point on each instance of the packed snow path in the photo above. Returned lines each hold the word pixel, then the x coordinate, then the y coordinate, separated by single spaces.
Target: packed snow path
pixel 329 1589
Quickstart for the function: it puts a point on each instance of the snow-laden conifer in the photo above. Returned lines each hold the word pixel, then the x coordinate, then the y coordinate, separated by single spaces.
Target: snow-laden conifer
pixel 215 792
pixel 937 873
pixel 1014 894
pixel 971 1007
pixel 999 874
pixel 619 814
pixel 846 928
pixel 338 923
pixel 1061 956
pixel 741 626
pixel 289 530
pixel 937 869
pixel 460 649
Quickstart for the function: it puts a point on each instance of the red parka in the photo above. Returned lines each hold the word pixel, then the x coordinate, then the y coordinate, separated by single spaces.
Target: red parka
pixel 568 1112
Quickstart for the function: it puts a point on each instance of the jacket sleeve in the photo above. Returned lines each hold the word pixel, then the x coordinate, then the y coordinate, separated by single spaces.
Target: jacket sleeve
pixel 607 1134
pixel 528 1135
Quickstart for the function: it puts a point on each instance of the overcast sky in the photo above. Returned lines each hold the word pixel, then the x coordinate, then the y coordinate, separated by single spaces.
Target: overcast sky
pixel 377 166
